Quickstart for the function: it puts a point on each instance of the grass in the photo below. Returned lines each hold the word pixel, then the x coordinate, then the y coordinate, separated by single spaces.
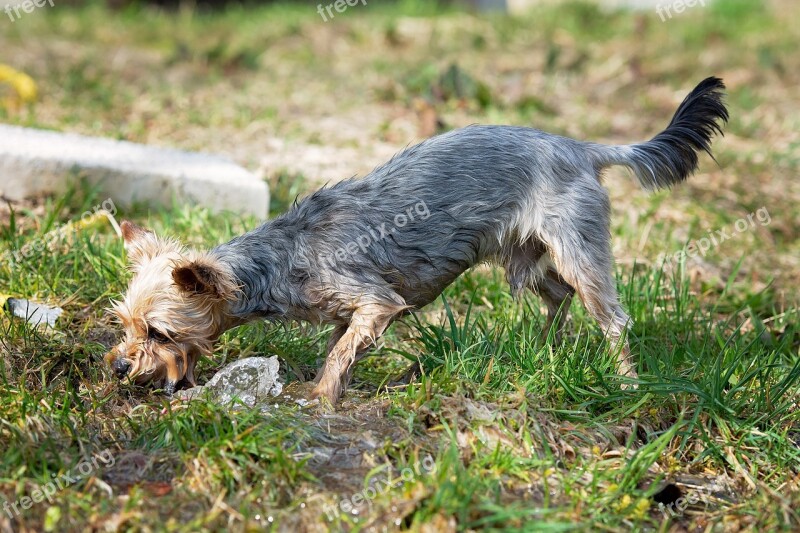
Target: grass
pixel 505 429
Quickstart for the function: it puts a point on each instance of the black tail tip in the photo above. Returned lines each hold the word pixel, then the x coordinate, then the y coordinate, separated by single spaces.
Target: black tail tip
pixel 710 83
pixel 708 98
pixel 671 156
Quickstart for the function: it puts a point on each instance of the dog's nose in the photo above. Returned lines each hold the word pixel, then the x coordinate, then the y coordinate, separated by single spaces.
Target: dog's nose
pixel 120 367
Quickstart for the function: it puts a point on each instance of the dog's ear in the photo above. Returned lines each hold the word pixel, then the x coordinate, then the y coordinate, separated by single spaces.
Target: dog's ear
pixel 203 276
pixel 140 243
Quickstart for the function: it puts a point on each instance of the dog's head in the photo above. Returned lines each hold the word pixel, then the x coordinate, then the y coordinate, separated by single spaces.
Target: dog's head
pixel 173 311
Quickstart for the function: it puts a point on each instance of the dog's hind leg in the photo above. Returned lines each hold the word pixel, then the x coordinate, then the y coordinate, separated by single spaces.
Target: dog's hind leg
pixel 580 245
pixel 597 290
pixel 557 295
pixel 529 266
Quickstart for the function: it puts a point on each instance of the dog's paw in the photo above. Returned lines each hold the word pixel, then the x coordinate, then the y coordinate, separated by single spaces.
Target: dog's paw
pixel 629 378
pixel 327 396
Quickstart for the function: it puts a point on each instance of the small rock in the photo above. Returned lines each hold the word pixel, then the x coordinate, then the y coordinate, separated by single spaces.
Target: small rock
pixel 35 314
pixel 246 381
pixel 302 402
pixel 191 393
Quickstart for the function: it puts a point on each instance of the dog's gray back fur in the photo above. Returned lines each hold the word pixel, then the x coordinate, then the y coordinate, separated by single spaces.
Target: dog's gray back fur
pixel 491 193
pixel 474 182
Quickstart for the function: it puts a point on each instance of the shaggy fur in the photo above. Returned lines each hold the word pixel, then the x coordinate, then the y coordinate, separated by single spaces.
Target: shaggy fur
pixel 364 251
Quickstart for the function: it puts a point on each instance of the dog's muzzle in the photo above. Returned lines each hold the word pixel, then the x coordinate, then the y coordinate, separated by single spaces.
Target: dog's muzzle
pixel 121 367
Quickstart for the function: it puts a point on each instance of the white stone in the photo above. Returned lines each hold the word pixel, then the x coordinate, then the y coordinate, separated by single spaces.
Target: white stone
pixel 34 162
pixel 249 381
pixel 524 6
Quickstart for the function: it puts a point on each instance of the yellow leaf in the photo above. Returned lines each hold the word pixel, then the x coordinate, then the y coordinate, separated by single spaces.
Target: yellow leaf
pixel 641 508
pixel 23 85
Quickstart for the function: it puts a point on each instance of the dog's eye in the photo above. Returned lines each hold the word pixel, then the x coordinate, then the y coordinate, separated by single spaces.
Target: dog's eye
pixel 155 335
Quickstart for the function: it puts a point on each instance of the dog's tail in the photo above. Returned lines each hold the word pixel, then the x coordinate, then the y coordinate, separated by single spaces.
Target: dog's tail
pixel 671 156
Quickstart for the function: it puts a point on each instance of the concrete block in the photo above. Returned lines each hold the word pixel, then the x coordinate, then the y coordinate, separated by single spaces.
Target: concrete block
pixel 34 161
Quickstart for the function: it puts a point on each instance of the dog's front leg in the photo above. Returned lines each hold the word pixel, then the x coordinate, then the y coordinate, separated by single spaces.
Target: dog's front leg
pixel 366 325
pixel 337 334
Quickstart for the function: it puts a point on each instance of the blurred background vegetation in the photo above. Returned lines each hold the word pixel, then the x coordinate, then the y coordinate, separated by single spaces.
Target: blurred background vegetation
pixel 306 101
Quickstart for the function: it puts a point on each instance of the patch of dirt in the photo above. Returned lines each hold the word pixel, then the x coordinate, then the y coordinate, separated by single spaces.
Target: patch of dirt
pixel 347 442
pixel 345 447
pixel 136 468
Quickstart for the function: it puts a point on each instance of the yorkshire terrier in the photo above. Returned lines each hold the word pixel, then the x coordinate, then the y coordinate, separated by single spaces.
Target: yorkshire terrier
pixel 363 252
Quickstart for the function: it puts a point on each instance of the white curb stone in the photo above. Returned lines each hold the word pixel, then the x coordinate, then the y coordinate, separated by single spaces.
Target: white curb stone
pixel 523 6
pixel 35 161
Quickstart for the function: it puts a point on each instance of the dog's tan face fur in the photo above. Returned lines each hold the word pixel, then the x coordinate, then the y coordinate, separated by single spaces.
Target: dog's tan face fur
pixel 173 312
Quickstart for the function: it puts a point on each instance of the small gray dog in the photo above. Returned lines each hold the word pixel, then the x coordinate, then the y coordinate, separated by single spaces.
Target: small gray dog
pixel 362 252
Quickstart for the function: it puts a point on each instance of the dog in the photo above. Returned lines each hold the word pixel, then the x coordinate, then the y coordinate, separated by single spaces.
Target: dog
pixel 521 198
